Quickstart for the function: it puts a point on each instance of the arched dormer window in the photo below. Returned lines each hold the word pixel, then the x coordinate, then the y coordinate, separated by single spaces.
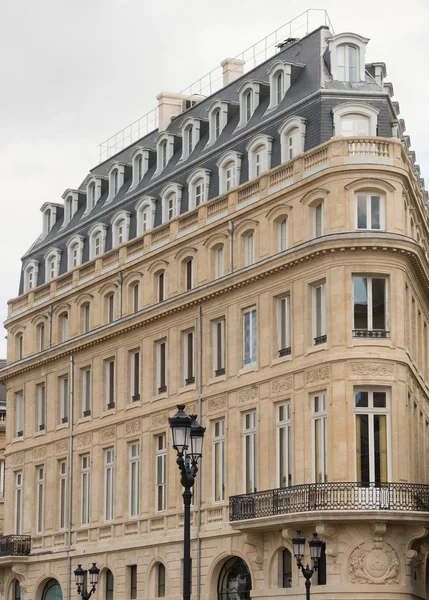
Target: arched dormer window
pixel 145 210
pixel 116 173
pixel 164 151
pixel 49 211
pixel 355 119
pixel 120 228
pixel 280 77
pixel 171 197
pixel 93 185
pixel 74 251
pixel 198 187
pixel 190 136
pixel 71 199
pixel 52 264
pixel 259 155
pixel 218 118
pixel 347 52
pixel 31 273
pixel 140 162
pixel 97 240
pixel 249 100
pixel 292 138
pixel 229 166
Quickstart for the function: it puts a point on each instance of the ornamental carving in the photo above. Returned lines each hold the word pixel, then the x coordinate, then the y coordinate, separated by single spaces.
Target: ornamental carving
pixel 256 541
pixel 317 375
pixel 61 446
pixel 282 385
pixel 372 368
pixel 159 420
pixel 17 459
pixel 248 393
pixel 108 434
pixel 330 533
pixel 216 404
pixel 83 440
pixel 39 453
pixel 191 409
pixel 133 427
pixel 374 565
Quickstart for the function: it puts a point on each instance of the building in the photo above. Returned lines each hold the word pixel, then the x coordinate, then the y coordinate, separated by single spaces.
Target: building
pixel 261 257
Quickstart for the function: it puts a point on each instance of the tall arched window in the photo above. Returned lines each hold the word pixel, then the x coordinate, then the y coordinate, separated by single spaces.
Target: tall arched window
pixel 292 138
pixel 52 591
pixel 347 63
pixel 198 187
pixel 280 79
pixel 91 192
pixel 282 234
pixel 74 251
pixel 189 273
pixel 163 152
pixel 16 590
pixel 63 326
pixel 216 123
pixel 120 228
pixel 86 317
pixel 19 344
pixel 135 296
pixel 115 182
pixel 160 581
pixel 161 286
pixel 229 171
pixel 219 261
pixel 249 100
pixel 97 240
pixel 171 197
pixel 110 307
pixel 109 585
pixel 40 337
pixel 31 272
pixel 249 248
pixel 355 120
pixel 145 210
pixel 234 580
pixel 286 568
pixel 218 118
pixel 52 264
pixel 259 155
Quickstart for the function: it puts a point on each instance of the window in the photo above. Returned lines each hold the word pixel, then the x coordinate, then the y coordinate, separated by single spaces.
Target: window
pixel 369 211
pixel 249 248
pixel 161 366
pixel 189 139
pixel 161 458
pixel 20 346
pixel 282 234
pixel 120 228
pixel 229 166
pixel 64 399
pixel 110 383
pixel 139 165
pixel 354 125
pixel 171 199
pixel 31 273
pixel 189 274
pixel 160 582
pixel 86 391
pixel 41 336
pixel 286 568
pixel 249 100
pixel 219 347
pixel 317 210
pixel 92 200
pixel 74 251
pixel 145 211
pixel 259 155
pixel 355 120
pixel 319 313
pixel 133 582
pixel 63 494
pixel 19 414
pixel 40 498
pixel 198 187
pixel 170 207
pixel 372 410
pixel 52 264
pixel 219 261
pixel 163 153
pixel 249 452
pixel 280 79
pixel 319 438
pixel 134 491
pixel 2 474
pixel 135 375
pixel 115 182
pixel 85 488
pixel 161 286
pixel 347 58
pixel 64 327
pixel 18 502
pixel 49 212
pixel 216 123
pixel 284 445
pixel 347 63
pixel 188 357
pixel 248 105
pixel 292 138
pixel 109 585
pixel 86 317
pixel 283 326
pixel 16 587
pixel 109 465
pixel 370 307
pixel 218 454
pixel 110 307
pixel 40 392
pixel 97 240
pixel 249 337
pixel 218 118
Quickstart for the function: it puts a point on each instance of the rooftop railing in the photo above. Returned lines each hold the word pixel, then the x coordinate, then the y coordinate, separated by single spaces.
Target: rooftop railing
pixel 15 545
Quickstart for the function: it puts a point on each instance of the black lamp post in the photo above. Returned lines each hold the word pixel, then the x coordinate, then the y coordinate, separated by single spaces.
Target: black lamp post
pixel 298 542
pixel 80 574
pixel 187 433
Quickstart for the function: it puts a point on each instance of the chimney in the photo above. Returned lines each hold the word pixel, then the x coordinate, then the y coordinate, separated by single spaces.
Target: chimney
pixel 379 72
pixel 233 68
pixel 170 105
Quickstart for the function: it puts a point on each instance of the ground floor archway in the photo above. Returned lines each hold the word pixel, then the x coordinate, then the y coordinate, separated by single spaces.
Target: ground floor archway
pixel 234 581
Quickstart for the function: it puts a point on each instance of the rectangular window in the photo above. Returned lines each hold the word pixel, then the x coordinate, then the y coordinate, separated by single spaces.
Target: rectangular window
pixel 41 331
pixel 199 194
pixel 249 337
pixel 318 219
pixel 161 366
pixel 136 297
pixel 219 347
pixel 369 211
pixel 249 249
pixel 64 327
pixel 319 438
pixel 218 460
pixel 86 318
pixel 282 235
pixel 284 445
pixel 110 308
pixel 189 274
pixel 85 488
pixel 64 399
pixel 63 494
pixel 109 482
pixel 249 452
pixel 40 498
pixel 41 406
pixel 134 490
pixel 283 326
pixel 219 266
pixel 161 458
pixel 18 502
pixel 19 414
pixel 370 307
pixel 86 391
pixel 135 375
pixel 110 383
pixel 188 357
pixel 2 473
pixel 161 287
pixel 371 408
pixel 20 346
pixel 133 582
pixel 319 313
pixel 229 177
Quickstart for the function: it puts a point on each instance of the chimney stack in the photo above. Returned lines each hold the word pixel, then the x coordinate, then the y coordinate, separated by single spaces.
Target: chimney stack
pixel 233 68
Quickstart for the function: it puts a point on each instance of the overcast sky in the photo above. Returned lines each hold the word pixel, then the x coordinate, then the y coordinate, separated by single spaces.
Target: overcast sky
pixel 73 72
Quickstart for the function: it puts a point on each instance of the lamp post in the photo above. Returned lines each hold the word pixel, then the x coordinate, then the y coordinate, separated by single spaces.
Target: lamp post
pixel 298 542
pixel 80 574
pixel 186 433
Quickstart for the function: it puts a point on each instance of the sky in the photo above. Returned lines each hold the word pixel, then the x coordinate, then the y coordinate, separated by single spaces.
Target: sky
pixel 73 72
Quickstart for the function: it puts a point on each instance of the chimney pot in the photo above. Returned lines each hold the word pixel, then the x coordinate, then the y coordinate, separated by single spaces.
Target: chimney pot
pixel 233 68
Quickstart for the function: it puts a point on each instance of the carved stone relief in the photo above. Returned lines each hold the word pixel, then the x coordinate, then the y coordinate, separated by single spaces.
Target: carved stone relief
pixel 39 453
pixel 159 419
pixel 330 534
pixel 256 542
pixel 372 368
pixel 280 386
pixel 374 565
pixel 216 404
pixel 83 440
pixel 17 459
pixel 61 446
pixel 108 434
pixel 133 427
pixel 248 393
pixel 317 375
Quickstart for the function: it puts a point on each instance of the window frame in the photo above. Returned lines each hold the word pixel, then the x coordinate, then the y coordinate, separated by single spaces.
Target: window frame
pixel 41 406
pixel 249 458
pixel 319 328
pixel 161 483
pixel 135 374
pixel 321 415
pixel 369 304
pixel 284 425
pixel 284 325
pixel 161 366
pixel 218 461
pixel 62 495
pixel 134 480
pixel 262 144
pixel 227 182
pixel 219 354
pixel 18 501
pixel 110 382
pixel 253 336
pixel 85 496
pixel 189 348
pixel 40 498
pixel 285 130
pixel 19 414
pixel 276 68
pixel 109 484
pixel 86 391
pixel 368 210
pixel 64 398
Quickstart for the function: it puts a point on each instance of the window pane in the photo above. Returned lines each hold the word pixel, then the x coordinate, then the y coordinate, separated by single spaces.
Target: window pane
pixel 362 449
pixel 361 399
pixel 375 212
pixel 353 56
pixel 380 449
pixel 379 399
pixel 360 297
pixel 361 212
pixel 378 303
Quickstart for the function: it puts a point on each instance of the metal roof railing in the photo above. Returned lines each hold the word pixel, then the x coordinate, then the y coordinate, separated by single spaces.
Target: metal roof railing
pixel 301 25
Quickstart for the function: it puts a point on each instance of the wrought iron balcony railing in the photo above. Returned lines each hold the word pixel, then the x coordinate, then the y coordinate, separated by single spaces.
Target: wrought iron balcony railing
pixel 371 333
pixel 15 545
pixel 330 496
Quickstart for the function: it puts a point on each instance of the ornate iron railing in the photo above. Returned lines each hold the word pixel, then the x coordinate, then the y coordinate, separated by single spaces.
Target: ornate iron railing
pixel 371 333
pixel 15 545
pixel 330 496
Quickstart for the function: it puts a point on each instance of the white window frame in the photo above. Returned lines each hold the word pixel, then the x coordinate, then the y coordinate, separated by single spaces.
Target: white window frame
pixel 41 406
pixel 249 248
pixel 49 212
pixel 164 151
pixel 74 251
pixel 97 232
pixel 109 364
pixel 218 460
pixel 216 127
pixel 219 260
pixel 138 154
pixel 41 336
pixel 134 479
pixel 93 186
pixel 351 39
pixel 62 508
pixel 298 144
pixel 262 144
pixel 116 174
pixel 31 273
pixel 284 443
pixel 219 330
pixel 109 483
pixel 318 213
pixel 86 377
pixel 20 345
pixel 18 501
pixel 19 414
pixel 249 458
pixel 160 473
pixel 248 89
pixel 161 378
pixel 64 398
pixel 367 196
pixel 120 220
pixel 71 200
pixel 110 307
pixel 145 211
pixel 135 374
pixel 193 126
pixel 320 415
pixel 284 321
pixel 63 326
pixel 85 471
pixel 86 317
pixel 40 498
pixel 135 296
pixel 2 478
pixel 282 233
pixel 356 108
pixel 252 315
pixel 369 279
pixel 318 329
pixel 225 182
pixel 52 264
pixel 198 178
pixel 169 210
pixel 189 348
pixel 276 68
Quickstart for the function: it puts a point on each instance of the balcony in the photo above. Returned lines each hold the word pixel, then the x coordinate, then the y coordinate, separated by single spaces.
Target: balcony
pixel 404 497
pixel 15 545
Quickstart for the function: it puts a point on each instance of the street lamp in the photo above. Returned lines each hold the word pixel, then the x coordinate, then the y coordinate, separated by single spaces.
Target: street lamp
pixel 298 542
pixel 80 575
pixel 186 433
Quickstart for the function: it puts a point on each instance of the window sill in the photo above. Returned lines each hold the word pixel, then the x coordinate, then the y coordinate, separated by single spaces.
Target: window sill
pixel 39 433
pixel 317 348
pixel 61 426
pixel 18 439
pixel 107 413
pixel 133 404
pixel 84 420
pixel 216 379
pixel 160 396
pixel 281 359
pixel 247 369
pixel 187 388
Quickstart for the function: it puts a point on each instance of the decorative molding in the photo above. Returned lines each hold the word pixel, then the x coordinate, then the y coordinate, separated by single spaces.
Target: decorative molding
pixel 216 404
pixel 159 420
pixel 133 427
pixel 378 531
pixel 374 565
pixel 83 440
pixel 256 541
pixel 317 375
pixel 418 532
pixel 329 532
pixel 61 446
pixel 279 386
pixel 248 393
pixel 108 434
pixel 17 459
pixel 372 368
pixel 39 453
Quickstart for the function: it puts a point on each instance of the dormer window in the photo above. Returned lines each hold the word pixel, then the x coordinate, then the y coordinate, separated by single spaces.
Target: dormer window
pixel 97 240
pixel 116 179
pixel 229 166
pixel 165 151
pixel 280 78
pixel 145 210
pixel 120 228
pixel 347 52
pixel 31 272
pixel 248 97
pixel 218 118
pixel 190 136
pixel 93 192
pixel 49 212
pixel 75 251
pixel 171 197
pixel 140 162
pixel 259 155
pixel 292 138
pixel 249 100
pixel 52 264
pixel 355 120
pixel 198 187
pixel 71 199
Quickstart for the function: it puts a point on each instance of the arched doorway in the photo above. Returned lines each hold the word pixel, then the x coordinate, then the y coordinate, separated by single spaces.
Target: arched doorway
pixel 234 580
pixel 52 591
